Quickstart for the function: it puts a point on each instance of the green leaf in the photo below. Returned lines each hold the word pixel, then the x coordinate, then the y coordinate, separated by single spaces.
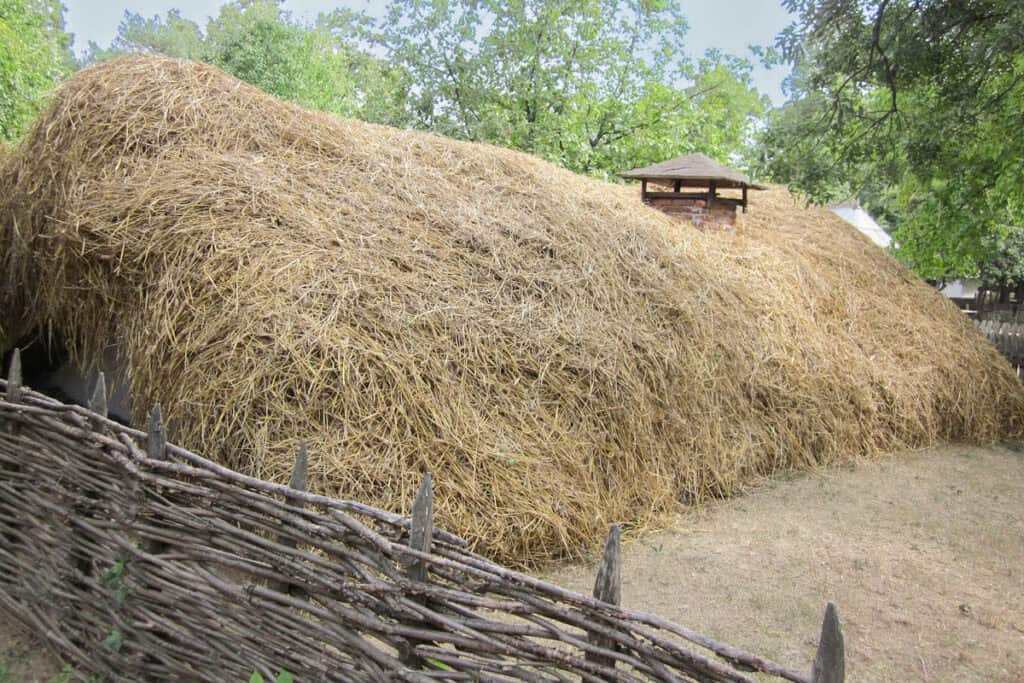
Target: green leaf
pixel 256 677
pixel 35 53
pixel 439 665
pixel 115 573
pixel 65 676
pixel 120 594
pixel 114 641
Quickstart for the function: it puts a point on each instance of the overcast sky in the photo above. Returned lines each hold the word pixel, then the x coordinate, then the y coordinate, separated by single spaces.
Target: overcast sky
pixel 731 25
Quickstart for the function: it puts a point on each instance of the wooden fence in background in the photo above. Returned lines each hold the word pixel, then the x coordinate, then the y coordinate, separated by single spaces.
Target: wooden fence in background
pixel 139 560
pixel 1008 338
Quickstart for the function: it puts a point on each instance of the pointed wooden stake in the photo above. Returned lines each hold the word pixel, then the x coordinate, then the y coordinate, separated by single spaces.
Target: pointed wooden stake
pixel 608 588
pixel 156 444
pixel 422 531
pixel 300 471
pixel 98 402
pixel 608 585
pixel 14 378
pixel 830 661
pixel 299 483
pixel 156 449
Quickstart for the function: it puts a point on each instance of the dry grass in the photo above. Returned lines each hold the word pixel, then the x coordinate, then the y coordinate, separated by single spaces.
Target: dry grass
pixel 560 356
pixel 921 553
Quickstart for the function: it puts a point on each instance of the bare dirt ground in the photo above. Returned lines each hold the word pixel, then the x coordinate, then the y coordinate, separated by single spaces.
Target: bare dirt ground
pixel 923 553
pixel 23 659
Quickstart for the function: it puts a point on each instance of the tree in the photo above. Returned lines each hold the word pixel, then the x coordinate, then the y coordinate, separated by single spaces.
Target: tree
pixel 173 36
pixel 320 66
pixel 595 85
pixel 1003 269
pixel 258 43
pixel 922 97
pixel 35 54
pixel 792 149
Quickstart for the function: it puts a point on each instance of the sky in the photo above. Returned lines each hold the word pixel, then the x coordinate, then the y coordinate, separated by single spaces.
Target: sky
pixel 730 25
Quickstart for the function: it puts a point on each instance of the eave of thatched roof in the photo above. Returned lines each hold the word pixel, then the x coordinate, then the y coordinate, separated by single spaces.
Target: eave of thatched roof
pixel 696 168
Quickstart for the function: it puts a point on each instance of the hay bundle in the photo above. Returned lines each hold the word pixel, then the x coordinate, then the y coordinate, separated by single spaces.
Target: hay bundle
pixel 559 356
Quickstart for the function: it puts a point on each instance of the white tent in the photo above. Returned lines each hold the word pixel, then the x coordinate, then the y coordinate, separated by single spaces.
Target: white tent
pixel 854 214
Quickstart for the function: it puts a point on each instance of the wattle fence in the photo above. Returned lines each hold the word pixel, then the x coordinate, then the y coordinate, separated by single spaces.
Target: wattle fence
pixel 135 559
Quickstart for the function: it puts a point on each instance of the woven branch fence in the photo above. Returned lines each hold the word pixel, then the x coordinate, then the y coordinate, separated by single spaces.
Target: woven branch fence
pixel 139 560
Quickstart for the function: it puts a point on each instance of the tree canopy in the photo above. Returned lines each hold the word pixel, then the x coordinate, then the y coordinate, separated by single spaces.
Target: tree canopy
pixel 319 65
pixel 35 54
pixel 598 86
pixel 917 104
pixel 595 85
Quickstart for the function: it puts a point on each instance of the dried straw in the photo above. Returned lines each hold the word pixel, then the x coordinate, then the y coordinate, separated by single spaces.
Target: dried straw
pixel 558 355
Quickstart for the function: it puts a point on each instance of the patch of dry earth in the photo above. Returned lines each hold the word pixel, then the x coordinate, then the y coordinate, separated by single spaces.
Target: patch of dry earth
pixel 922 553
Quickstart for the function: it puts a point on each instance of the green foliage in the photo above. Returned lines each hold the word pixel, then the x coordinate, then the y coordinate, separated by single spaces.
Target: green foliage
pixel 114 641
pixel 114 581
pixel 598 86
pixel 35 54
pixel 68 674
pixel 793 150
pixel 915 104
pixel 282 677
pixel 172 35
pixel 319 66
pixel 438 664
pixel 256 43
pixel 1004 267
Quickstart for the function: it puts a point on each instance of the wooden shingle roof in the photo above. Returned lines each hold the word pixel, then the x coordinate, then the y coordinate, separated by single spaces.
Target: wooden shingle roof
pixel 693 167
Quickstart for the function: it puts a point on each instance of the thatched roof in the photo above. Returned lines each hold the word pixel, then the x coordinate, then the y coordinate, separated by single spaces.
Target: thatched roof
pixel 559 357
pixel 693 167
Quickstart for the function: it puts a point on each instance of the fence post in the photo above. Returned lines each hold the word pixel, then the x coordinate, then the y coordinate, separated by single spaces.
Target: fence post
pixel 156 449
pixel 301 470
pixel 14 385
pixel 421 534
pixel 830 660
pixel 14 377
pixel 156 443
pixel 298 481
pixel 13 396
pixel 98 401
pixel 608 588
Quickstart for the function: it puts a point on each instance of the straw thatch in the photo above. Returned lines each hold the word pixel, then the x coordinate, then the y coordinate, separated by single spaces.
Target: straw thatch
pixel 558 355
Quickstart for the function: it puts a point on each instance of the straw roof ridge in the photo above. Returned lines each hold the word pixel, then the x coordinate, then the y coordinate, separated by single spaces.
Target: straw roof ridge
pixel 559 356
